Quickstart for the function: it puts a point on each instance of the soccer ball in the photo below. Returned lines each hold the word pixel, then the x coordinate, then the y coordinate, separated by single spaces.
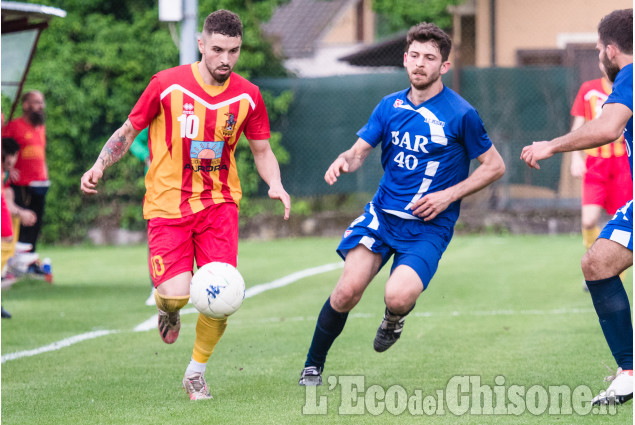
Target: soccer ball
pixel 217 290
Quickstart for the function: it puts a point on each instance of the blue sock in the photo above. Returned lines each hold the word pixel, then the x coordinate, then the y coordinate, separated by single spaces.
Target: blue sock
pixel 329 325
pixel 614 311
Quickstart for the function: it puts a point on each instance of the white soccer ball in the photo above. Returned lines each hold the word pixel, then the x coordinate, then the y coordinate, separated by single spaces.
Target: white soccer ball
pixel 217 290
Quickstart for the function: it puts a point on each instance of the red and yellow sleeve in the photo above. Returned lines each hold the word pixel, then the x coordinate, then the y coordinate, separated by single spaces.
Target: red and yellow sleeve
pixel 148 106
pixel 257 127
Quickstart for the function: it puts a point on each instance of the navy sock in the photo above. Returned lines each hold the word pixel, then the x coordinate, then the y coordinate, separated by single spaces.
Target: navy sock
pixel 329 325
pixel 614 311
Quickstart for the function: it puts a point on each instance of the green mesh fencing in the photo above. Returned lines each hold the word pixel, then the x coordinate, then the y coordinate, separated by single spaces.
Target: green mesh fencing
pixel 517 105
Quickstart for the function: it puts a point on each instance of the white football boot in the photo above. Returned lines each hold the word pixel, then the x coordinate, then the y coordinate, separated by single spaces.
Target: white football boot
pixel 620 390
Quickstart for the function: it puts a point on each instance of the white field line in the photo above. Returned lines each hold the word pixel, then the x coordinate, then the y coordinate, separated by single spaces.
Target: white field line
pixel 151 323
pixel 444 314
pixel 56 345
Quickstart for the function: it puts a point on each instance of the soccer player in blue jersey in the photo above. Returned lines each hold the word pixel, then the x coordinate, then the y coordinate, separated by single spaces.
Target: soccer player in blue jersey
pixel 612 252
pixel 428 135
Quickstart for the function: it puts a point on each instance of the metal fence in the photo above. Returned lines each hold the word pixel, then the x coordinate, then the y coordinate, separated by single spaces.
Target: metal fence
pixel 517 105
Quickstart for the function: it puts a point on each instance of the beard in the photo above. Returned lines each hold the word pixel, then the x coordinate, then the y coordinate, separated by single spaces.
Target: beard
pixel 610 69
pixel 37 117
pixel 219 77
pixel 424 83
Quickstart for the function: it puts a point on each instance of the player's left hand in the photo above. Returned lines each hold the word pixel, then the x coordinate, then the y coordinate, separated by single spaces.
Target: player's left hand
pixel 535 152
pixel 14 174
pixel 90 179
pixel 276 191
pixel 432 205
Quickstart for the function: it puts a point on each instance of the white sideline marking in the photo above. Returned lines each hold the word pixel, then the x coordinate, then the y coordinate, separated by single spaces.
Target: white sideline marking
pixel 284 281
pixel 56 345
pixel 442 314
pixel 151 323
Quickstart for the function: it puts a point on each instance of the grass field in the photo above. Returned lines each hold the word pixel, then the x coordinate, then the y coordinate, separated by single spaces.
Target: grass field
pixel 508 310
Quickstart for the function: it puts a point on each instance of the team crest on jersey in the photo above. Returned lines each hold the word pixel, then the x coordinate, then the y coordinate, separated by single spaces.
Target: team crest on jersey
pixel 206 150
pixel 230 125
pixel 209 168
pixel 397 103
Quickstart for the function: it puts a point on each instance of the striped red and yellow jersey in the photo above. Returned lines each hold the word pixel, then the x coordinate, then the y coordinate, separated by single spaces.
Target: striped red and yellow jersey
pixel 194 128
pixel 31 162
pixel 588 104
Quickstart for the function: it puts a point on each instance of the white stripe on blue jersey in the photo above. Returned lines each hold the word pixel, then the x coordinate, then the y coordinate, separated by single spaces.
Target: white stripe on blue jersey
pixel 425 148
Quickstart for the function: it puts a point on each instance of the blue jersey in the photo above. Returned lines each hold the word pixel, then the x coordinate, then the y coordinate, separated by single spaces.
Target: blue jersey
pixel 424 148
pixel 623 93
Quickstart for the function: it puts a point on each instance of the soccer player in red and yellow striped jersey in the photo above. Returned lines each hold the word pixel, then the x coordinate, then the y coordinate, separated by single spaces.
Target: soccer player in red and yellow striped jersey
pixel 605 172
pixel 194 128
pixel 196 114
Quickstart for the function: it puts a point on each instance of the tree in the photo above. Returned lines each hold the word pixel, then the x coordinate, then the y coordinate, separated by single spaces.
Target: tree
pixel 399 15
pixel 92 67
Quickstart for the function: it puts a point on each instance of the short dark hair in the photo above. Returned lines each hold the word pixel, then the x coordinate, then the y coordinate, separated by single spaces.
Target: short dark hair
pixel 223 22
pixel 28 94
pixel 9 147
pixel 617 28
pixel 424 32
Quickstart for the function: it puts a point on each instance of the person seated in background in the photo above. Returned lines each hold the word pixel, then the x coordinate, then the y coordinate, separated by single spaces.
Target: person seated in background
pixel 10 149
pixel 24 261
pixel 7 237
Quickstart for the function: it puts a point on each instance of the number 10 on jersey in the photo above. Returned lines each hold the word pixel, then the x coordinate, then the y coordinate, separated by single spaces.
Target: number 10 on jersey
pixel 189 125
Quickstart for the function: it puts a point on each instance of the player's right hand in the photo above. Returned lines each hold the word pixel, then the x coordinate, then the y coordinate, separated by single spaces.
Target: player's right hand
pixel 27 217
pixel 340 165
pixel 535 152
pixel 90 179
pixel 578 166
pixel 14 174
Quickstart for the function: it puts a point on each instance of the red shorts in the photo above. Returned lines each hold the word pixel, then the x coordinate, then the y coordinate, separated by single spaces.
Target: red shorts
pixel 209 235
pixel 7 222
pixel 607 182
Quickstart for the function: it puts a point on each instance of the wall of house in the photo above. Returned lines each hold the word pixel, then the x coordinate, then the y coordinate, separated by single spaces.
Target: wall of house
pixel 343 30
pixel 538 24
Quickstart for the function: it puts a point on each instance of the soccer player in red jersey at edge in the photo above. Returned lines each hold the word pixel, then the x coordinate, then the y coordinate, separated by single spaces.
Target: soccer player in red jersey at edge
pixel 604 170
pixel 196 115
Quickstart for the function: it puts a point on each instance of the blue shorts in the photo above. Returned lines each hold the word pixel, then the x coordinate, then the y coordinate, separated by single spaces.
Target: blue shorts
pixel 620 228
pixel 414 243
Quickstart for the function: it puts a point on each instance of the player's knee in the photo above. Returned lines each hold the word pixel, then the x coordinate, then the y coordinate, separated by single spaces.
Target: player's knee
pixel 592 266
pixel 170 304
pixel 398 303
pixel 589 223
pixel 344 298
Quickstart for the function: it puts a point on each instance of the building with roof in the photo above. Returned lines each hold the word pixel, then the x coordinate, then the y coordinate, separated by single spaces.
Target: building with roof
pixel 312 34
pixel 509 33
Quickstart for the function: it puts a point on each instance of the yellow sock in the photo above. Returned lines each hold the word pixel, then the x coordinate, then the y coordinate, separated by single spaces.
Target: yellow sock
pixel 208 333
pixel 589 236
pixel 170 304
pixel 8 248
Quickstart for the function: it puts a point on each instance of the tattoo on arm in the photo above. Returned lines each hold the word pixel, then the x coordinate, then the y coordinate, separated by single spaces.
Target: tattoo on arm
pixel 115 148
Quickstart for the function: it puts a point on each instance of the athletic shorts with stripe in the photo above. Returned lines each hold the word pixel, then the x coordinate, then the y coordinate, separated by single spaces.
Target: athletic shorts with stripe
pixel 414 243
pixel 208 235
pixel 620 228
